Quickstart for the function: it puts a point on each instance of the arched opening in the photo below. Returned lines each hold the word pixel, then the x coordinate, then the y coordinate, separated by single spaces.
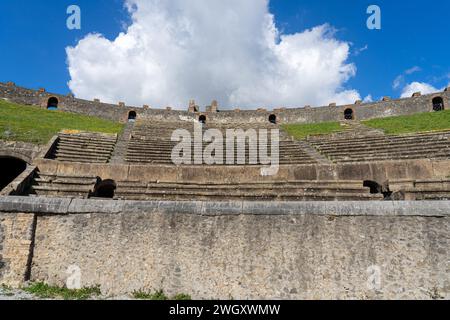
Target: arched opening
pixel 52 103
pixel 132 116
pixel 10 169
pixel 105 189
pixel 273 119
pixel 438 104
pixel 348 114
pixel 202 119
pixel 375 187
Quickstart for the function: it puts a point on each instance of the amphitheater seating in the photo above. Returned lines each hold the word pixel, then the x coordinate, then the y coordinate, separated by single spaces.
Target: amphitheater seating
pixel 84 147
pixel 51 185
pixel 151 143
pixel 420 189
pixel 434 145
pixel 284 191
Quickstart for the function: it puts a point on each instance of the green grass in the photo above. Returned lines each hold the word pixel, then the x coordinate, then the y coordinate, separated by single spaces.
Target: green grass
pixel 159 296
pixel 36 125
pixel 420 122
pixel 301 131
pixel 45 291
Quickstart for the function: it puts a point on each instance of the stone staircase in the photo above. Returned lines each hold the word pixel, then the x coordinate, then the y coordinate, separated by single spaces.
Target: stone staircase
pixel 436 189
pixel 151 144
pixel 351 129
pixel 52 185
pixel 84 147
pixel 73 186
pixel 284 191
pixel 121 147
pixel 434 145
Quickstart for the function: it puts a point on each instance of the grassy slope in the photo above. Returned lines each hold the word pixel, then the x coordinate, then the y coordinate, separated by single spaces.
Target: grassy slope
pixel 420 122
pixel 301 131
pixel 36 125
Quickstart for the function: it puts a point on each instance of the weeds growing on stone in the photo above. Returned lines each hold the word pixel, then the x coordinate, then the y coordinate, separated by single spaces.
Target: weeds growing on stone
pixel 159 295
pixel 45 291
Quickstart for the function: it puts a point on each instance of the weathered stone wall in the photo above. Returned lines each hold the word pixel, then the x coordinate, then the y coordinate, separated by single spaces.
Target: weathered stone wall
pixel 21 150
pixel 16 237
pixel 374 171
pixel 241 250
pixel 119 112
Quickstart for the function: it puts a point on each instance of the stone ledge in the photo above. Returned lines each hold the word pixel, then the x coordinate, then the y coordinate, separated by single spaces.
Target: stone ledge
pixel 65 206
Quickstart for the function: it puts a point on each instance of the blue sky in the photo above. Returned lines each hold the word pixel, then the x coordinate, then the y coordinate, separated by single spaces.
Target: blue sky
pixel 414 34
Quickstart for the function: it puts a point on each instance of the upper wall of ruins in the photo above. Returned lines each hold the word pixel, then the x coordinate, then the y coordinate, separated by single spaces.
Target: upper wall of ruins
pixel 120 112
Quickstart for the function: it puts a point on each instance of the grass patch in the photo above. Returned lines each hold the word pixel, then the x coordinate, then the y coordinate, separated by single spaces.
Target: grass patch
pixel 301 131
pixel 45 291
pixel 38 126
pixel 420 122
pixel 159 296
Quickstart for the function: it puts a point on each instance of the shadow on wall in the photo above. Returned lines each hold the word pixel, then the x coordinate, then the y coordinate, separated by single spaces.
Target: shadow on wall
pixel 10 169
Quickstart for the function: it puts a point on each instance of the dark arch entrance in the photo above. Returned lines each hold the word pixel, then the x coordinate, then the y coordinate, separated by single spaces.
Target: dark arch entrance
pixel 202 119
pixel 375 187
pixel 132 116
pixel 348 114
pixel 10 169
pixel 438 104
pixel 105 189
pixel 52 103
pixel 273 119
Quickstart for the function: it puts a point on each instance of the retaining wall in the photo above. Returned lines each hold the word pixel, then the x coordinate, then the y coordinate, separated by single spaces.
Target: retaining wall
pixel 240 250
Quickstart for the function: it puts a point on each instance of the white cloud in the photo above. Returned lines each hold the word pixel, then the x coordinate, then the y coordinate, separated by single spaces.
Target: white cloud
pixel 422 87
pixel 413 70
pixel 400 80
pixel 176 50
pixel 368 99
pixel 358 51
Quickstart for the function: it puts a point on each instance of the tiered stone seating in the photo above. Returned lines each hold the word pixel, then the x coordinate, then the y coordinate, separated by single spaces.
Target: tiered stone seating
pixel 84 147
pixel 151 143
pixel 420 189
pixel 282 191
pixel 50 185
pixel 434 145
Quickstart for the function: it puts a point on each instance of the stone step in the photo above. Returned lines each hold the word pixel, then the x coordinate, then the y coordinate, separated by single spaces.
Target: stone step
pixel 81 155
pixel 433 135
pixel 384 146
pixel 189 196
pixel 411 151
pixel 84 151
pixel 93 147
pixel 387 158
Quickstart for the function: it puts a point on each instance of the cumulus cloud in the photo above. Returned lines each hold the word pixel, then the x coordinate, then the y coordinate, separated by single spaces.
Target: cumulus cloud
pixel 422 87
pixel 231 51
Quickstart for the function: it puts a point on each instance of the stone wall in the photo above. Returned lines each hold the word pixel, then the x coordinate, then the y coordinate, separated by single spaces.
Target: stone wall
pixel 241 250
pixel 16 239
pixel 21 150
pixel 374 171
pixel 119 112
